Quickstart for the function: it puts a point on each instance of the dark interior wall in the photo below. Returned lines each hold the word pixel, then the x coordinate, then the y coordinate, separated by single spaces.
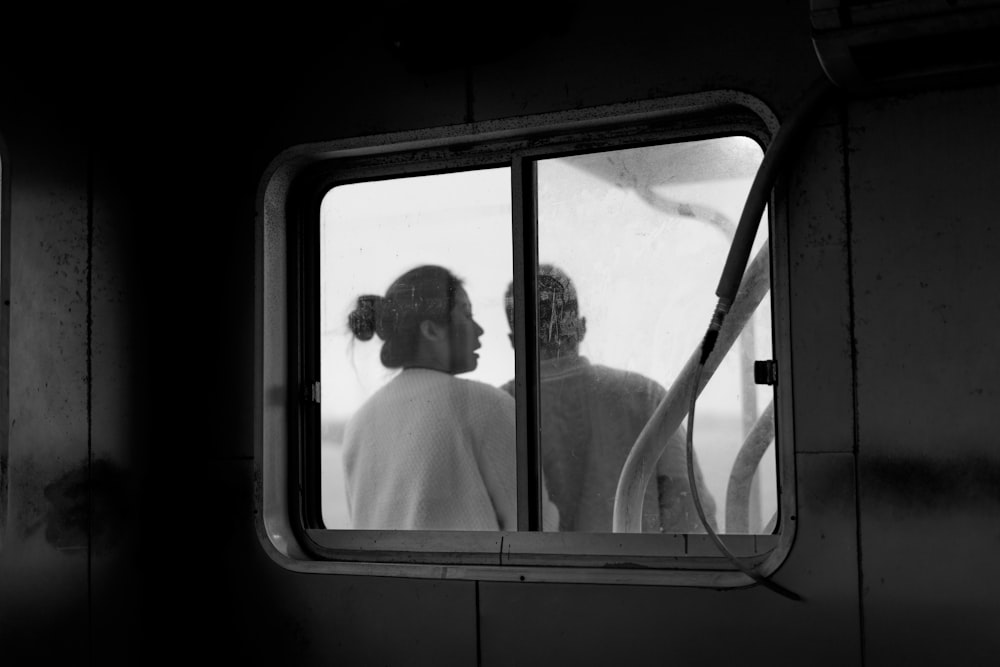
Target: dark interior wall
pixel 925 239
pixel 43 563
pixel 134 155
pixel 134 158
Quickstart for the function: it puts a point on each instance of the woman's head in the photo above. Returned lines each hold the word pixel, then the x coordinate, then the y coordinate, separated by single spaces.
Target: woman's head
pixel 425 319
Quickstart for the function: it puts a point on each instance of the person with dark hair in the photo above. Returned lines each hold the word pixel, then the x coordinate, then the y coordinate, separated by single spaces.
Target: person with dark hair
pixel 428 450
pixel 590 416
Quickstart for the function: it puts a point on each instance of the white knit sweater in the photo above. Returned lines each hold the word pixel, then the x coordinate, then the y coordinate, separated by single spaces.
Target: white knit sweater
pixel 430 451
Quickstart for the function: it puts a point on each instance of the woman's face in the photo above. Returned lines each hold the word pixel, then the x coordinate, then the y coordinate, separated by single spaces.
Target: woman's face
pixel 464 336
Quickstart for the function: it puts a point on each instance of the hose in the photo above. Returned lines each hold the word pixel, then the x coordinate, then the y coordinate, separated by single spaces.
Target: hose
pixel 784 144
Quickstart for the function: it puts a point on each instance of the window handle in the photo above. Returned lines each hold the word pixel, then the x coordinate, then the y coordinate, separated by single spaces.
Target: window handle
pixel 311 392
pixel 765 372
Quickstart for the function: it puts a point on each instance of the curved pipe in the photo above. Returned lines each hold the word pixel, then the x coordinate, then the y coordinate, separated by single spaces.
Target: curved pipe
pixel 741 477
pixel 732 275
pixel 670 413
pixel 679 209
pixel 720 222
pixel 641 461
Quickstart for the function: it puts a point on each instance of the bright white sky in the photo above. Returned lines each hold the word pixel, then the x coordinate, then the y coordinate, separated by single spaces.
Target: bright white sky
pixel 645 277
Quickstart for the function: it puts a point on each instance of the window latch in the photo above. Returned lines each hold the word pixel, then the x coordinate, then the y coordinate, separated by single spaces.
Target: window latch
pixel 765 372
pixel 311 392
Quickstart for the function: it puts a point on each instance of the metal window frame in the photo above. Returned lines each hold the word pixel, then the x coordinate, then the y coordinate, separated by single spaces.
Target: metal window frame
pixel 286 422
pixel 4 339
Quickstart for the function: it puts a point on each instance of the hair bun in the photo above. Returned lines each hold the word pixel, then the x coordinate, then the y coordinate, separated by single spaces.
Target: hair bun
pixel 373 315
pixel 362 319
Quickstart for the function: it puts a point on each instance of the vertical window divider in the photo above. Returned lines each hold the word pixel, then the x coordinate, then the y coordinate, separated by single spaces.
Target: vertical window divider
pixel 524 209
pixel 304 485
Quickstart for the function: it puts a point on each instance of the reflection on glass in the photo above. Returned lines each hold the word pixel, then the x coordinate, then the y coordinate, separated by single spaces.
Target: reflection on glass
pixel 411 410
pixel 632 243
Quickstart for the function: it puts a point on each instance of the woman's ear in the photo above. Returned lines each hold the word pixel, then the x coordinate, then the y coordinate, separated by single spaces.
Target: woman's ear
pixel 432 331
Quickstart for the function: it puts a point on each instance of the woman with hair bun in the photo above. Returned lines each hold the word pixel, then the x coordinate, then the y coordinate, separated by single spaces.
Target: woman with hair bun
pixel 430 451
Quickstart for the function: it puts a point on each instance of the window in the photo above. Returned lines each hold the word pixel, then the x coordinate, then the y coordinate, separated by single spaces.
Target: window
pixel 602 238
pixel 373 232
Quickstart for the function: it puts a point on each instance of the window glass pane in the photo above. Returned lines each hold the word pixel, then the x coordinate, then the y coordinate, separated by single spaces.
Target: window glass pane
pixel 638 239
pixel 424 451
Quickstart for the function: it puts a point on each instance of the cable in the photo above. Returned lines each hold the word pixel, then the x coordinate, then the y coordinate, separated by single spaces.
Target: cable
pixel 701 511
pixel 784 143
